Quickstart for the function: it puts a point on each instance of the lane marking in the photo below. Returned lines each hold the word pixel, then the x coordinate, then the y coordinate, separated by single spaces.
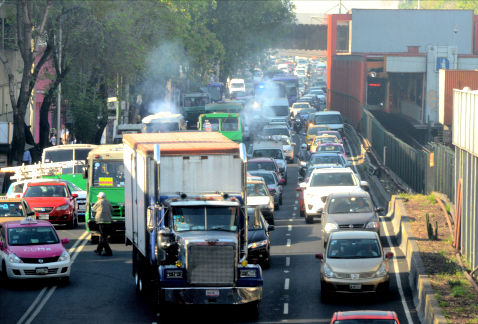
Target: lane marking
pixel 76 249
pixel 287 261
pixel 286 308
pixel 295 208
pixel 288 242
pixel 293 215
pixel 290 219
pixel 286 284
pixel 395 264
pixel 289 227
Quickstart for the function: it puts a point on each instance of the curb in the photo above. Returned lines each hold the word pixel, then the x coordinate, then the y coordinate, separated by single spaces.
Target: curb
pixel 427 307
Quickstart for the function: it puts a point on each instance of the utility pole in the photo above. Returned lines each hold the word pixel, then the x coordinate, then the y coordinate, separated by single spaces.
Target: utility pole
pixel 58 104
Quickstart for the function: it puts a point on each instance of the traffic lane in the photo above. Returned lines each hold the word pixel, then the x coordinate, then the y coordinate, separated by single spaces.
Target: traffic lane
pixel 101 290
pixel 21 293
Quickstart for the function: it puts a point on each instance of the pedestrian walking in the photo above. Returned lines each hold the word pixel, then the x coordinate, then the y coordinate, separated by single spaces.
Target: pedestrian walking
pixel 103 211
pixel 64 135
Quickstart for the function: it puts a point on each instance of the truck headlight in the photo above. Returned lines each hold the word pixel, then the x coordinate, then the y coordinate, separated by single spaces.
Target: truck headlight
pixel 248 273
pixel 329 227
pixel 257 244
pixel 12 258
pixel 174 274
pixel 65 256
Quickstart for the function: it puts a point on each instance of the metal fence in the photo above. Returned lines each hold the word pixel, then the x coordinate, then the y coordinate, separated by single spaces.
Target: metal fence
pixel 423 170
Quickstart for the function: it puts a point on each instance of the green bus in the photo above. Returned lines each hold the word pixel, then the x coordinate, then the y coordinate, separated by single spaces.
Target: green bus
pixel 228 124
pixel 105 173
pixel 225 107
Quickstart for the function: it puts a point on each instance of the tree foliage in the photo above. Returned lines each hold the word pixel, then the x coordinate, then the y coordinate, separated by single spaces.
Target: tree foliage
pixel 441 4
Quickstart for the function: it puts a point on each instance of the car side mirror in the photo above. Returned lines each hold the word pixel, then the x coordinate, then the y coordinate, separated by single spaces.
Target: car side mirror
pixel 364 185
pixel 74 196
pixel 302 185
pixel 271 228
pixel 379 209
pixel 65 241
pixel 389 255
pixel 319 256
pixel 31 213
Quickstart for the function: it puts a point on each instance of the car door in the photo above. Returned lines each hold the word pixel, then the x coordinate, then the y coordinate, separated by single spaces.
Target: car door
pixel 71 200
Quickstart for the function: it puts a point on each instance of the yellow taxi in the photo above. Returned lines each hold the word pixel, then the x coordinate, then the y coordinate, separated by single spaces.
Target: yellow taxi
pixel 323 139
pixel 312 132
pixel 13 209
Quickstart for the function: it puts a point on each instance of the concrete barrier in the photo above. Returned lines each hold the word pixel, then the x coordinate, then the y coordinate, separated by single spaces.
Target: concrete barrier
pixel 424 299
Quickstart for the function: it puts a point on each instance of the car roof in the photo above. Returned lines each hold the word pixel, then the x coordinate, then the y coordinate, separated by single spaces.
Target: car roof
pixel 354 235
pixel 328 112
pixel 331 144
pixel 253 179
pixel 334 170
pixel 350 194
pixel 41 183
pixel 365 314
pixel 5 199
pixel 18 223
pixel 325 154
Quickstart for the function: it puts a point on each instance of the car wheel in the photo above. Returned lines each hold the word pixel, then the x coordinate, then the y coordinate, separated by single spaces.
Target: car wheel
pixel 71 223
pixel 280 200
pixel 309 219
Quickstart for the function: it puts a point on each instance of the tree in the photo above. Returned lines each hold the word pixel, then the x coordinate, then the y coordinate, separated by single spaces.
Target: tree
pixel 441 4
pixel 31 19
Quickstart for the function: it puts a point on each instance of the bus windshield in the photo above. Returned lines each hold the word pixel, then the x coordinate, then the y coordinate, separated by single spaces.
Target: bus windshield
pixel 108 173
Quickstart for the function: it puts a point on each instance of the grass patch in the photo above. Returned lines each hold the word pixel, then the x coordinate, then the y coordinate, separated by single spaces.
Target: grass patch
pixel 431 198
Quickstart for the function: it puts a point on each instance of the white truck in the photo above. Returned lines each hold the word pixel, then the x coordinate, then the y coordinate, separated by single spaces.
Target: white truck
pixel 185 194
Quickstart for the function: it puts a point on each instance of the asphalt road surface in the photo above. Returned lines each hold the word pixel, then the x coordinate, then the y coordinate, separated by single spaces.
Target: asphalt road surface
pixel 101 289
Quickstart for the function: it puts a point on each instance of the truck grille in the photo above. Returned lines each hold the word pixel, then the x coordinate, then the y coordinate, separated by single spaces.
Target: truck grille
pixel 118 211
pixel 211 265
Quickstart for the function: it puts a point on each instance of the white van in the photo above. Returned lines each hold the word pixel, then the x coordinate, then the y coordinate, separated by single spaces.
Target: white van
pixel 275 110
pixel 237 85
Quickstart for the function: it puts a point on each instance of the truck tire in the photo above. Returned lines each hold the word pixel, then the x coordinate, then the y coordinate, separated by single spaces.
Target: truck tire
pixel 252 309
pixel 309 219
pixel 138 281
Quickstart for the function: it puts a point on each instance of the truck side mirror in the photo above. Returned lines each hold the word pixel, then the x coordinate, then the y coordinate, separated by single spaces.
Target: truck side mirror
pixel 85 172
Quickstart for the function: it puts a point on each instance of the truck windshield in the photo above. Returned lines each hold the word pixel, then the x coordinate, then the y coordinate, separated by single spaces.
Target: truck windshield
pixel 205 218
pixel 108 173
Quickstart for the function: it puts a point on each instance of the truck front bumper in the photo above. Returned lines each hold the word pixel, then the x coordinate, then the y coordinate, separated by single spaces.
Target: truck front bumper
pixel 211 295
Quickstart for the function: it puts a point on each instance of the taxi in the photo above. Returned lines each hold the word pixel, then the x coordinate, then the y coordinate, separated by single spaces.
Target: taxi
pixel 323 139
pixel 12 209
pixel 30 249
pixel 312 132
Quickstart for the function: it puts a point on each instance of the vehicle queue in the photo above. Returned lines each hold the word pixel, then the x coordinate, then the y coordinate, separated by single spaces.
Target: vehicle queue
pixel 353 260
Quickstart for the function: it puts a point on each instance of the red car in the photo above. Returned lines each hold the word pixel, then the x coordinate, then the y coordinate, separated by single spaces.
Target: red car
pixel 52 201
pixel 365 316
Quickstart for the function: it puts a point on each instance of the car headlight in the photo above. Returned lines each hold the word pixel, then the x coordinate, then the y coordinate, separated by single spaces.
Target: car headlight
pixel 65 256
pixel 329 227
pixel 372 225
pixel 63 207
pixel 248 273
pixel 303 163
pixel 257 244
pixel 174 273
pixel 328 272
pixel 382 271
pixel 12 258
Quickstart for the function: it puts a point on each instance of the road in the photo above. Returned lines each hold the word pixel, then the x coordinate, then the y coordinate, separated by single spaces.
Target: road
pixel 101 289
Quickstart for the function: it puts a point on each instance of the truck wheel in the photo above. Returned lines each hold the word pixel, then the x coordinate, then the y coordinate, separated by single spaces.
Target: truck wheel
pixel 252 309
pixel 309 219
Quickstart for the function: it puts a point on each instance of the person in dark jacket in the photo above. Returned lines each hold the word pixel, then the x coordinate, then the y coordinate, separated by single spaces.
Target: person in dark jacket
pixel 103 211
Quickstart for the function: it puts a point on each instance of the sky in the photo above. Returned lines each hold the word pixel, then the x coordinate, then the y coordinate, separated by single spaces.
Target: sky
pixel 305 9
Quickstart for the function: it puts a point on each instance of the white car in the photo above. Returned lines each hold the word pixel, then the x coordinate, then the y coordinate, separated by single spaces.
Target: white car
pixel 323 182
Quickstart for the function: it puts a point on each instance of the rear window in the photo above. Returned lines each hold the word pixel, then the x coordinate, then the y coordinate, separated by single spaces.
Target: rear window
pixel 332 179
pixel 330 148
pixel 253 166
pixel 328 119
pixel 46 191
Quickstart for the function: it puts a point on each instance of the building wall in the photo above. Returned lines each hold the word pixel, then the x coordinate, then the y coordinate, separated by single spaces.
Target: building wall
pixel 391 31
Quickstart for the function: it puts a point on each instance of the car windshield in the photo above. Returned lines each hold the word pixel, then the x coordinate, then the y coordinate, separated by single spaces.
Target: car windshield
pixel 46 191
pixel 348 205
pixel 11 209
pixel 32 235
pixel 328 119
pixel 266 165
pixel 300 105
pixel 330 148
pixel 366 321
pixel 325 159
pixel 268 177
pixel 325 139
pixel 204 218
pixel 256 189
pixel 253 220
pixel 275 131
pixel 331 179
pixel 353 249
pixel 108 173
pixel 270 153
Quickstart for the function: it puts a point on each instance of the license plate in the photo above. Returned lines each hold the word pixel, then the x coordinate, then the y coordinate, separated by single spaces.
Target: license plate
pixel 355 287
pixel 82 208
pixel 44 216
pixel 41 271
pixel 212 292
